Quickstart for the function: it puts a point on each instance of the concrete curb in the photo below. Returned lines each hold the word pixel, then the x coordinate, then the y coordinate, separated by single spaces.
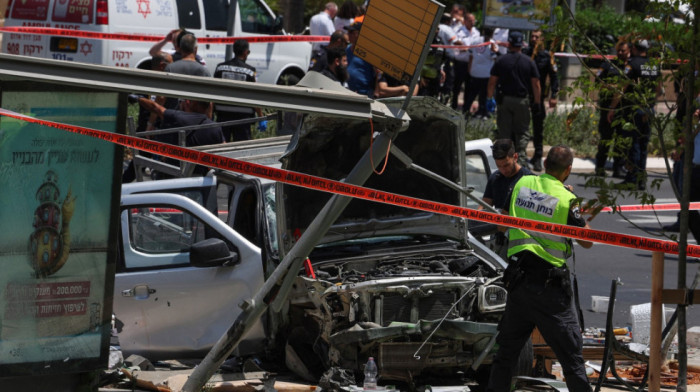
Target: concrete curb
pixel 584 165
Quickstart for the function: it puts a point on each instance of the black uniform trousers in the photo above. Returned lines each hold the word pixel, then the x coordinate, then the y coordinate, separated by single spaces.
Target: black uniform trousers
pixel 538 130
pixel 235 132
pixel 461 77
pixel 638 150
pixel 607 135
pixel 535 302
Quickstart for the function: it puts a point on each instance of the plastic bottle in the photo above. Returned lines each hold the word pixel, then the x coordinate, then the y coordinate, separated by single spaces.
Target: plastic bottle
pixel 370 375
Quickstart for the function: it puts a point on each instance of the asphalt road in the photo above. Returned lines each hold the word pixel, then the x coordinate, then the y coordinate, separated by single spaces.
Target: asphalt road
pixel 597 267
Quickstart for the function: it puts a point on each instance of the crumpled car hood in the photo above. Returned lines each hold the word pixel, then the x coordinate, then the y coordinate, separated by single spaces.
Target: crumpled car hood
pixel 330 147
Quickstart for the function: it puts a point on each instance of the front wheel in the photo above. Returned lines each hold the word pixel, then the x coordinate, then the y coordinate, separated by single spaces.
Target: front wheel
pixel 288 79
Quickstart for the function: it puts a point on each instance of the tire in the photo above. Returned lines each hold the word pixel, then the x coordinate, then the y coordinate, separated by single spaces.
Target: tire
pixel 288 79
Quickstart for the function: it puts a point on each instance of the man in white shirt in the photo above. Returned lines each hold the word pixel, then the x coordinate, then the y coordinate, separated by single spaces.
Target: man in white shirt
pixel 468 35
pixel 481 59
pixel 448 36
pixel 501 37
pixel 322 23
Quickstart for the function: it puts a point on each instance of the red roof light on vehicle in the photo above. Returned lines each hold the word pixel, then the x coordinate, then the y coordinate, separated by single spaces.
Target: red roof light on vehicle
pixel 102 12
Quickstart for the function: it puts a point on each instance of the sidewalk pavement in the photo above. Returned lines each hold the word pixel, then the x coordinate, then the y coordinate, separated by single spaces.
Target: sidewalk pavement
pixel 584 165
pixel 587 165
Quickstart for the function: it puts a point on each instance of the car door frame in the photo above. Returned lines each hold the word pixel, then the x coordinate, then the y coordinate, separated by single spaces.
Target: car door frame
pixel 161 293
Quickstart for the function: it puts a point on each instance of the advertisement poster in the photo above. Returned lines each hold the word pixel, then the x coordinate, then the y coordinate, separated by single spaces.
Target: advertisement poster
pixel 57 201
pixel 516 14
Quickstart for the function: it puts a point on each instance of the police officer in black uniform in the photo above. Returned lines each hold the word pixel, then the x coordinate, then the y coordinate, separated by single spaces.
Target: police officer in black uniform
pixel 236 69
pixel 607 75
pixel 515 82
pixel 547 68
pixel 637 105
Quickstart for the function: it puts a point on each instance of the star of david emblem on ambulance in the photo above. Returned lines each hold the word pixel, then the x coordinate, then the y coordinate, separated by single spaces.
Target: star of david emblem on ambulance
pixel 86 48
pixel 144 7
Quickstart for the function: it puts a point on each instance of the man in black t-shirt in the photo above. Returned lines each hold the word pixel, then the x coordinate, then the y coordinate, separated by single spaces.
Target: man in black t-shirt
pixel 336 67
pixel 517 80
pixel 237 69
pixel 500 185
pixel 195 113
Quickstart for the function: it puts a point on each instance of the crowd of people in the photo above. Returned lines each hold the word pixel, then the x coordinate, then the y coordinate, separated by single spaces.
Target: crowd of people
pixel 523 79
pixel 515 80
pixel 447 75
pixel 163 113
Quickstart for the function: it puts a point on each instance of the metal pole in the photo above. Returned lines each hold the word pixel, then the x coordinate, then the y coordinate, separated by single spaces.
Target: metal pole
pixel 230 25
pixel 254 308
pixel 657 284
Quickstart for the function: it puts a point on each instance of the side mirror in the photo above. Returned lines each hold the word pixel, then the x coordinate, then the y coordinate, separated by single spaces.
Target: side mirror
pixel 212 252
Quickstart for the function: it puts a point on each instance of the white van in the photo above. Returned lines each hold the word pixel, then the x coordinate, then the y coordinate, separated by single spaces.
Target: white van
pixel 274 62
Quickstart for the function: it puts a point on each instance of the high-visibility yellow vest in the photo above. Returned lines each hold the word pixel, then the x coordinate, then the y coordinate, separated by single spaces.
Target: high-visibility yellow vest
pixel 545 199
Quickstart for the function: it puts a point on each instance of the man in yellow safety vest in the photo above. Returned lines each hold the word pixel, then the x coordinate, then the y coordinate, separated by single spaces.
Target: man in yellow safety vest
pixel 537 279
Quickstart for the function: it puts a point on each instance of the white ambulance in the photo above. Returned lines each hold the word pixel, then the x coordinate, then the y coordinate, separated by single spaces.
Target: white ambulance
pixel 275 62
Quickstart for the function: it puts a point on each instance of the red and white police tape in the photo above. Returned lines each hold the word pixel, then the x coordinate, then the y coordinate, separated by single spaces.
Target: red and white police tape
pixel 337 187
pixel 223 40
pixel 156 38
pixel 651 207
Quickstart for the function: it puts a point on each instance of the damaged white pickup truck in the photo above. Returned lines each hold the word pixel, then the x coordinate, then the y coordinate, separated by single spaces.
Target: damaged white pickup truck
pixel 413 289
pixel 410 288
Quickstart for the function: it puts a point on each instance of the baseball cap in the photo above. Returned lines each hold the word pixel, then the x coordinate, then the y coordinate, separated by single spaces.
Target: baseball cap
pixel 502 148
pixel 515 38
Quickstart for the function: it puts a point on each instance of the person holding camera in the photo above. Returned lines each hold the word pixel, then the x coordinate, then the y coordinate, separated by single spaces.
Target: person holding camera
pixel 517 80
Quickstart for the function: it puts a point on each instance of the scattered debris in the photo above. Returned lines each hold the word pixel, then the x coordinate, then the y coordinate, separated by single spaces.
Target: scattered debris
pixel 669 373
pixel 138 361
pixel 143 384
pixel 335 378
